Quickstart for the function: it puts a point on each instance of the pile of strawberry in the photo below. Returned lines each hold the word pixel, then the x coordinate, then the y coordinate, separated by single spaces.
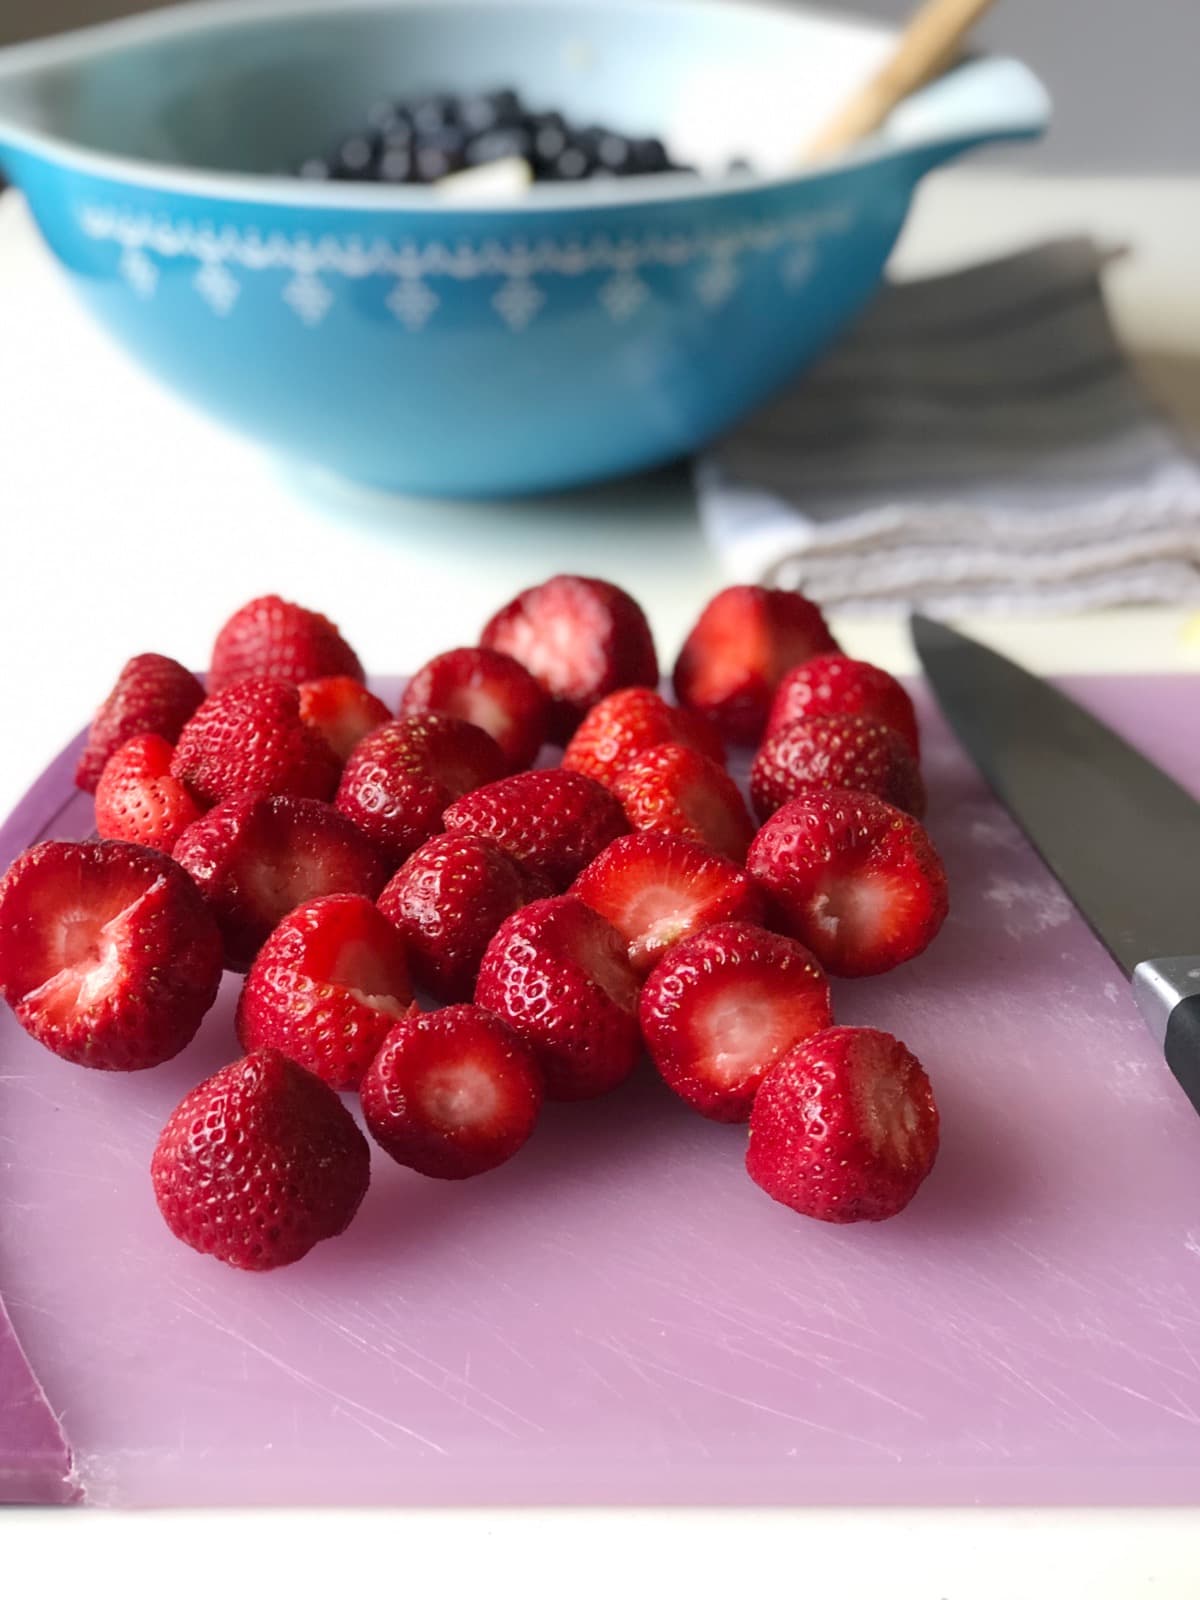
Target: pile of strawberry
pixel 281 822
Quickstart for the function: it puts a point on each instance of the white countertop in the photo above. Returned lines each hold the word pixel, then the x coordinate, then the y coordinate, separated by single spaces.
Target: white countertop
pixel 131 523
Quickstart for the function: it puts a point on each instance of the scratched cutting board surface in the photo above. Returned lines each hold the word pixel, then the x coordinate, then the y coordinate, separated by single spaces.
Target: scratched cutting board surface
pixel 619 1316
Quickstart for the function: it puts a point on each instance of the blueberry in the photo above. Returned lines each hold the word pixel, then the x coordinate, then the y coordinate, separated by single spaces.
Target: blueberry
pixel 434 113
pixel 355 157
pixel 648 155
pixel 549 140
pixel 432 162
pixel 396 165
pixel 315 167
pixel 387 115
pixel 573 163
pixel 613 153
pixel 499 145
pixel 482 113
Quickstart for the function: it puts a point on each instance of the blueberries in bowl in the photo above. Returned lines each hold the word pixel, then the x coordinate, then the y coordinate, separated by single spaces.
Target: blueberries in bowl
pixel 429 137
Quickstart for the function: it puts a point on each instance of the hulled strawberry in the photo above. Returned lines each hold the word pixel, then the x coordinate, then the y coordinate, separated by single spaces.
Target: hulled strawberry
pixel 325 988
pixel 558 974
pixel 835 752
pixel 342 711
pixel 853 877
pixel 256 857
pixel 581 638
pixel 656 889
pixel 251 737
pixel 844 1127
pixel 722 1006
pixel 554 822
pixel 839 684
pixel 259 1163
pixel 743 642
pixel 274 638
pixel 452 1093
pixel 152 694
pixel 402 776
pixel 137 799
pixel 493 691
pixel 108 954
pixel 673 789
pixel 626 724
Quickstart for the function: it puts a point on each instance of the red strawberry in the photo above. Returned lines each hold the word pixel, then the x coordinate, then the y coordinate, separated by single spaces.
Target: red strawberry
pixel 581 638
pixel 626 724
pixel 452 1093
pixel 448 899
pixel 152 694
pixel 656 889
pixel 672 789
pixel 108 954
pixel 256 857
pixel 857 880
pixel 273 638
pixel 493 691
pixel 827 684
pixel 557 973
pixel 137 798
pixel 259 1163
pixel 553 822
pixel 341 710
pixel 743 642
pixel 326 987
pixel 844 1127
pixel 835 752
pixel 720 1007
pixel 248 737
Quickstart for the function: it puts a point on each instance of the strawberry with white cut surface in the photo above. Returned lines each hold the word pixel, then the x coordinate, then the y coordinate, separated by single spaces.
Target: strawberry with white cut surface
pixel 492 690
pixel 342 711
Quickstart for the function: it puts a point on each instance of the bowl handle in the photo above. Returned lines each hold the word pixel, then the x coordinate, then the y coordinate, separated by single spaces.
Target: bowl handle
pixel 992 98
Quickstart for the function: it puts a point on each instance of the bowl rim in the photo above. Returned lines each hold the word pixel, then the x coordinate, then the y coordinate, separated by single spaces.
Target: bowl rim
pixel 27 59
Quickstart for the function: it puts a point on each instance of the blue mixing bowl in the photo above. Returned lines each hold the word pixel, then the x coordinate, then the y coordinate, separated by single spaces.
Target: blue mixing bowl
pixel 418 341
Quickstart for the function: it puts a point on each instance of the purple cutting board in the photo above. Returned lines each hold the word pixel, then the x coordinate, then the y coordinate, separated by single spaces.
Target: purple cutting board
pixel 619 1316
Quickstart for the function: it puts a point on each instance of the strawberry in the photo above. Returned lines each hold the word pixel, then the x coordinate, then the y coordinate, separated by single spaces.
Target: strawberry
pixel 493 691
pixel 672 789
pixel 402 776
pixel 553 822
pixel 656 889
pixel 557 973
pixel 581 638
pixel 743 642
pixel 342 711
pixel 259 1163
pixel 250 736
pixel 452 1093
pixel 152 694
pixel 628 723
pixel 273 638
pixel 844 1127
pixel 325 988
pixel 257 857
pixel 854 878
pixel 835 752
pixel 721 1006
pixel 137 798
pixel 108 954
pixel 837 683
pixel 447 900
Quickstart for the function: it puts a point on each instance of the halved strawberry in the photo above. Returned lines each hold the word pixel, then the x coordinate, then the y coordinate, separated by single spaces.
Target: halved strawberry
pixel 152 694
pixel 342 710
pixel 721 1006
pixel 557 973
pixel 137 798
pixel 743 642
pixel 581 638
pixel 108 954
pixel 672 789
pixel 274 638
pixel 853 877
pixel 493 691
pixel 835 752
pixel 256 857
pixel 656 889
pixel 250 737
pixel 402 776
pixel 452 1093
pixel 827 684
pixel 553 822
pixel 325 988
pixel 844 1127
pixel 625 724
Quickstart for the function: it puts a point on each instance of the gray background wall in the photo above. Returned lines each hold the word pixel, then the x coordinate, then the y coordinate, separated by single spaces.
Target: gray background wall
pixel 1123 72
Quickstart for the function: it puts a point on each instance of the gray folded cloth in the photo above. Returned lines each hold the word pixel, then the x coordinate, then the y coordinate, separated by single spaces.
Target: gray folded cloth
pixel 979 440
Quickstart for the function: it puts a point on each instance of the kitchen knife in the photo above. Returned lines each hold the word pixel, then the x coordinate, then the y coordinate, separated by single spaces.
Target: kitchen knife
pixel 1120 836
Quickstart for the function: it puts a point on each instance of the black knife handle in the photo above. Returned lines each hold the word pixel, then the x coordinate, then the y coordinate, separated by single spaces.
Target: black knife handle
pixel 1168 995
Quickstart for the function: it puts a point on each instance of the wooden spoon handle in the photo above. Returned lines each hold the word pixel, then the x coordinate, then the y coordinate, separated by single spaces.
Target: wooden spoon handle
pixel 928 44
